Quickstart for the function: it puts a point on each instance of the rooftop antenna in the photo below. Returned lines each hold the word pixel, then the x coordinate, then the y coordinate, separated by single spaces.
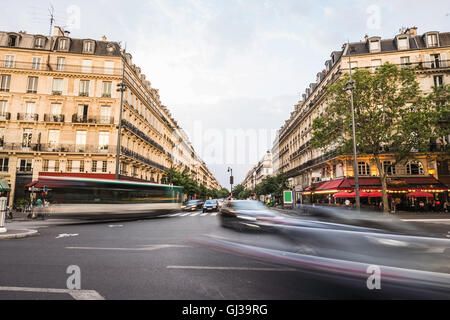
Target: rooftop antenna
pixel 51 10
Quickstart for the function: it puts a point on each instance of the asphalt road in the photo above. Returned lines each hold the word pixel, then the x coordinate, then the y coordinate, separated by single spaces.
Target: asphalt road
pixel 163 258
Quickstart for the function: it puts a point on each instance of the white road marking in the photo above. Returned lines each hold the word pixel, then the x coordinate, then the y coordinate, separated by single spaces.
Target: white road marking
pixel 115 225
pixel 229 268
pixel 214 214
pixel 146 248
pixel 204 214
pixel 185 214
pixel 427 220
pixel 76 294
pixel 175 214
pixel 195 214
pixel 66 235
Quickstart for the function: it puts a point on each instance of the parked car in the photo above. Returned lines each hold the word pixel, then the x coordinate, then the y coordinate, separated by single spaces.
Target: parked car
pixel 193 205
pixel 210 205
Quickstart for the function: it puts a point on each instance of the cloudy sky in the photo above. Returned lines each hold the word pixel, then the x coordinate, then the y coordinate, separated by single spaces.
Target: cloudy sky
pixel 231 70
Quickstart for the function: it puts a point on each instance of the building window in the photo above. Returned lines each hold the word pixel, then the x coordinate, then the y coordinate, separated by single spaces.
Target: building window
pixel 51 165
pixel 36 63
pixel 105 114
pixel 88 47
pixel 432 40
pixel 109 67
pixel 4 164
pixel 86 66
pixel 363 169
pixel 84 88
pixel 94 166
pixel 60 63
pixel 404 62
pixel 27 135
pixel 80 141
pixel 5 82
pixel 53 139
pixel 104 166
pixel 82 113
pixel 438 81
pixel 25 165
pixel 69 166
pixel 30 109
pixel 414 168
pixel 403 43
pixel 81 165
pixel 435 60
pixel 9 61
pixel 106 89
pixel 376 64
pixel 57 86
pixel 3 109
pixel 63 44
pixel 374 46
pixel 32 84
pixel 103 141
pixel 389 168
pixel 39 43
pixel 13 41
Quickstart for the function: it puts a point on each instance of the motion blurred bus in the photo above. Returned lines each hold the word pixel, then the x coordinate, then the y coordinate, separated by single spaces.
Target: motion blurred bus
pixel 93 198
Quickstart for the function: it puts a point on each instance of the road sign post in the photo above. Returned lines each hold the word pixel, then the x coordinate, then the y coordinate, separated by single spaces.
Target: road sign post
pixel 3 201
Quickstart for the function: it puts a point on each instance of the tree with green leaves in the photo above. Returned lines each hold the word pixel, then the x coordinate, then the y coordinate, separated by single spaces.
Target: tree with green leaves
pixel 237 190
pixel 391 115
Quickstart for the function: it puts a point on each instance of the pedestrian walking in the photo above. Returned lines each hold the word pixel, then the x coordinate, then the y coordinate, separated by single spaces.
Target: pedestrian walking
pixel 446 206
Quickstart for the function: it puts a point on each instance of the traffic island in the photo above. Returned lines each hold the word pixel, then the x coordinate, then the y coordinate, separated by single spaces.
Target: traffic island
pixel 18 234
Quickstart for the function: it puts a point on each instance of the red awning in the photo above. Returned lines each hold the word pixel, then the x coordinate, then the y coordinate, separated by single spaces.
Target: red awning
pixel 330 184
pixel 31 184
pixel 376 194
pixel 420 194
pixel 342 194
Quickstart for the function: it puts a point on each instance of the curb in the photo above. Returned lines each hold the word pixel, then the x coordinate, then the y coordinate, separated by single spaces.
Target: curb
pixel 25 234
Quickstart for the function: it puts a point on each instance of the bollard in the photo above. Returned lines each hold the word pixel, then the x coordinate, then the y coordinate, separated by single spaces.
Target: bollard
pixel 3 201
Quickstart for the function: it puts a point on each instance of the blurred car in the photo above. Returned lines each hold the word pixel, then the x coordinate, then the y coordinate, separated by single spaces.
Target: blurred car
pixel 193 205
pixel 210 205
pixel 220 203
pixel 247 215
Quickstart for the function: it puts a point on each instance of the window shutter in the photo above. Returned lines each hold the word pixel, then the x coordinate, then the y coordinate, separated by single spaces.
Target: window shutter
pixel 443 61
pixel 427 61
pixel 50 85
pixel 92 87
pixel 65 86
pixel 76 87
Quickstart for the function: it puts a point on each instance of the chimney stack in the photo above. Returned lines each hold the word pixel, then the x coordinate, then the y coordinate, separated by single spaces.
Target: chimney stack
pixel 104 38
pixel 58 32
pixel 366 37
pixel 411 31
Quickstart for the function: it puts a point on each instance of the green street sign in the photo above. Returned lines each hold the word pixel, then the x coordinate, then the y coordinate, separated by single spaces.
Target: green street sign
pixel 287 197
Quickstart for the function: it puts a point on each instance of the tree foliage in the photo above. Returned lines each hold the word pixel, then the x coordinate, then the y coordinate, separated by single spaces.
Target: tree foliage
pixel 391 115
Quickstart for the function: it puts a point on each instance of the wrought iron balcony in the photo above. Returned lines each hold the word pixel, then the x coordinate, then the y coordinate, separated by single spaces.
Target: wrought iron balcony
pixel 53 117
pixel 127 152
pixel 54 147
pixel 5 116
pixel 28 116
pixel 142 135
pixel 97 119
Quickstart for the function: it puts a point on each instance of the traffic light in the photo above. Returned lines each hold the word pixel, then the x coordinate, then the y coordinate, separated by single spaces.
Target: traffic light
pixel 231 180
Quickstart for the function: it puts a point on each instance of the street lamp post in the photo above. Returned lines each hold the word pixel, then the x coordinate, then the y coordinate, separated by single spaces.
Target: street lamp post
pixel 350 86
pixel 231 181
pixel 120 87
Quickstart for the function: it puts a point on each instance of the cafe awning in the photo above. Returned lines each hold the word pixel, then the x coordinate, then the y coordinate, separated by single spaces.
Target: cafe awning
pixel 420 194
pixel 4 186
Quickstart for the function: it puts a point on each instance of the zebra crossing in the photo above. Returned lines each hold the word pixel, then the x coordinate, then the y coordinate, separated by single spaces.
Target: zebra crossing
pixel 193 214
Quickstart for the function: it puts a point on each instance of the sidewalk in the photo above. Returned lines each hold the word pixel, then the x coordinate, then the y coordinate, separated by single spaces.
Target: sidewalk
pixel 17 233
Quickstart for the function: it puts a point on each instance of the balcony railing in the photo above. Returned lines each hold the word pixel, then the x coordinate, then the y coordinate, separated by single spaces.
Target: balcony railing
pixel 53 147
pixel 53 117
pixel 140 158
pixel 5 116
pixel 54 67
pixel 142 135
pixel 28 116
pixel 97 119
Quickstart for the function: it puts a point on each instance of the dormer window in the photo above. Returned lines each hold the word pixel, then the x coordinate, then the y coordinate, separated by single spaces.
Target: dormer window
pixel 88 47
pixel 13 41
pixel 432 40
pixel 63 44
pixel 39 43
pixel 403 43
pixel 374 45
